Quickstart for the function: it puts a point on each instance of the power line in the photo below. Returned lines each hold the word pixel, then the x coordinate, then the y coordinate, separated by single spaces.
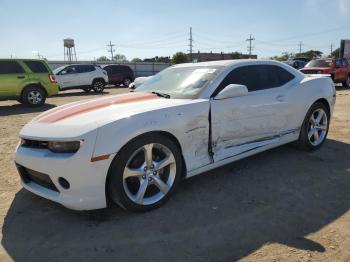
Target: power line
pixel 250 40
pixel 111 50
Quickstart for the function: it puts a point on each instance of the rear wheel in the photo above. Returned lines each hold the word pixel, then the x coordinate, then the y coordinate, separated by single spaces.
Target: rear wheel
pixel 315 128
pixel 144 174
pixel 98 86
pixel 33 96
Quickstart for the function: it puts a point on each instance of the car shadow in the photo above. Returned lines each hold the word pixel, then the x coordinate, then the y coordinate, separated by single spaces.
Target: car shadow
pixel 280 196
pixel 19 109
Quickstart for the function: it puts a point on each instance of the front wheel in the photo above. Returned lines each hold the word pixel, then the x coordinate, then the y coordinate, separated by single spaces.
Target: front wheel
pixel 126 82
pixel 144 173
pixel 315 128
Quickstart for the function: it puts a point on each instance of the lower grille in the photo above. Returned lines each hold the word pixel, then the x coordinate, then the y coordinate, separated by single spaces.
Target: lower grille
pixel 41 179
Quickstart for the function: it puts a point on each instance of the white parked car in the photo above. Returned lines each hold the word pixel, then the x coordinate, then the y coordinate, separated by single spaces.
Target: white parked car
pixel 134 148
pixel 86 77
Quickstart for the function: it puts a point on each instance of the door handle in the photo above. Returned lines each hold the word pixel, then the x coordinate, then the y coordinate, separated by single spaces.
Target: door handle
pixel 280 98
pixel 20 77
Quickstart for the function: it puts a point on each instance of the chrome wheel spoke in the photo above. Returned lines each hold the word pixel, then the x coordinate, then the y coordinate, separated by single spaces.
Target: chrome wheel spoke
pixel 163 187
pixel 316 136
pixel 141 192
pixel 311 133
pixel 133 172
pixel 148 155
pixel 168 160
pixel 319 117
pixel 321 127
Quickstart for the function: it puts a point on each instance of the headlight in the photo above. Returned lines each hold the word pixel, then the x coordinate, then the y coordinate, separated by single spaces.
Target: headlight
pixel 64 147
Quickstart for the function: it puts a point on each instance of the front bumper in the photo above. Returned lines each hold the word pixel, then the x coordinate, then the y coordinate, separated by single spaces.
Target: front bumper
pixel 86 179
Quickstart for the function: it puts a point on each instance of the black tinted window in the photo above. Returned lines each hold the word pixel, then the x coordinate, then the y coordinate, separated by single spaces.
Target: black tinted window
pixel 10 67
pixel 257 77
pixel 85 68
pixel 36 66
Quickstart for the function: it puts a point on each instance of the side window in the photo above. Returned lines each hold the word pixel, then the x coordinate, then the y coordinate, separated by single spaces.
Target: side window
pixel 69 70
pixel 257 77
pixel 36 66
pixel 10 67
pixel 86 68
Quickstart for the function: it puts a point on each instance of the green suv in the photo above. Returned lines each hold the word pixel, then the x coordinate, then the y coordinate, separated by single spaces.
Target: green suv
pixel 28 81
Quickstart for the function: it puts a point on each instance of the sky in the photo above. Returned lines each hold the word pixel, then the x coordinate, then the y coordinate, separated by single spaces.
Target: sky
pixel 145 29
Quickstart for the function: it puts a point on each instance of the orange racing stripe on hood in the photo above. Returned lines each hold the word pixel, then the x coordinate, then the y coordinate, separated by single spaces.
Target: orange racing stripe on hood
pixel 90 105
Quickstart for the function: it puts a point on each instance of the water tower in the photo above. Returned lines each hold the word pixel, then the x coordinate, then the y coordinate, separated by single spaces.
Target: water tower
pixel 69 50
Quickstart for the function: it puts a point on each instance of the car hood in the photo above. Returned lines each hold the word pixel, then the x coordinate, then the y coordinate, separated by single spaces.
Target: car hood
pixel 76 119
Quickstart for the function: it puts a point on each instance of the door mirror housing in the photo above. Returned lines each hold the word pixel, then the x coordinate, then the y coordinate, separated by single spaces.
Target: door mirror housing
pixel 232 90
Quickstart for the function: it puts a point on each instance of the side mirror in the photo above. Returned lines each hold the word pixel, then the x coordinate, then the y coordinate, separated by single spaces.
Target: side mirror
pixel 232 90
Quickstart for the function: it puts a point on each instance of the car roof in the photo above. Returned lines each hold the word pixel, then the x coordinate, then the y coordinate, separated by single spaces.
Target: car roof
pixel 228 63
pixel 115 65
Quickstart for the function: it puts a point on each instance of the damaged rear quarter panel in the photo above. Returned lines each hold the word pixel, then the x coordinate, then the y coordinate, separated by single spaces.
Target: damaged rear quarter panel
pixel 188 122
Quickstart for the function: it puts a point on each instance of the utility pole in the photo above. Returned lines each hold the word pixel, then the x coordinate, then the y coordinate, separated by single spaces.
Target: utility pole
pixel 111 50
pixel 331 49
pixel 191 44
pixel 300 46
pixel 250 47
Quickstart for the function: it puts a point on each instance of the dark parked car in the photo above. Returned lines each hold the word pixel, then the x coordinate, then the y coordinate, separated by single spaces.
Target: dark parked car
pixel 119 74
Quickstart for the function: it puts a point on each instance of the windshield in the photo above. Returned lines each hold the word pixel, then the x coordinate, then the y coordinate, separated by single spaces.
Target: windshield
pixel 319 63
pixel 57 70
pixel 181 82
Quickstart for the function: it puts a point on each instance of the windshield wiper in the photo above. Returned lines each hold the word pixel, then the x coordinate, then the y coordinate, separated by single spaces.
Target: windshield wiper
pixel 161 94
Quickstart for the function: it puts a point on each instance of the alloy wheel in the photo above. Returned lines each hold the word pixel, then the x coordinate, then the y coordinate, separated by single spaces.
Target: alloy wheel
pixel 149 174
pixel 34 97
pixel 318 126
pixel 98 86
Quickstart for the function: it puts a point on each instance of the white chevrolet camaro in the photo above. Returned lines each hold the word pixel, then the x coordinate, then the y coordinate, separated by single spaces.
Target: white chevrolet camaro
pixel 135 148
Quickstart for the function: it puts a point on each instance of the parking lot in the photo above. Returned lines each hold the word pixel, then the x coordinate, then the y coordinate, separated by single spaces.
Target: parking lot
pixel 283 204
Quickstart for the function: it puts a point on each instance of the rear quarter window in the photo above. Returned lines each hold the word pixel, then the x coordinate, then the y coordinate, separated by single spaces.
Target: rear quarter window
pixel 10 67
pixel 36 66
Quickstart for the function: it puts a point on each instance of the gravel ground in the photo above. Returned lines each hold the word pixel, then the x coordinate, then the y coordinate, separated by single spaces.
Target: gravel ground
pixel 281 205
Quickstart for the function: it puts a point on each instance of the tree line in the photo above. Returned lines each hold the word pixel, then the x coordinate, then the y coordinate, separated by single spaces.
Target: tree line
pixel 311 54
pixel 177 58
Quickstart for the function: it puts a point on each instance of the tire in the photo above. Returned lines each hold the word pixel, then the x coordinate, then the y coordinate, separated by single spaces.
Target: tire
pixel 33 96
pixel 347 82
pixel 98 86
pixel 315 128
pixel 126 82
pixel 136 185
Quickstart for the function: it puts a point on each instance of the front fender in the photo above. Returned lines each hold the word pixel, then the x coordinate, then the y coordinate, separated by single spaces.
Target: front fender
pixel 188 123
